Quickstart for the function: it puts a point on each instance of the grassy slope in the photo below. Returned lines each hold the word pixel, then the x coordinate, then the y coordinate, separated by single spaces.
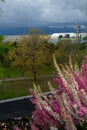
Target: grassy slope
pixel 19 88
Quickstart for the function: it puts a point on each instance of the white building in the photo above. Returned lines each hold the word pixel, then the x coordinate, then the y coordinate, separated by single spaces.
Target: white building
pixel 55 37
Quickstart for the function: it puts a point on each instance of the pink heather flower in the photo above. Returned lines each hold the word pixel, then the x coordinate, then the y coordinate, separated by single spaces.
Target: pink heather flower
pixel 80 81
pixel 84 109
pixel 16 128
pixel 34 127
pixel 62 86
pixel 55 106
pixel 80 113
pixel 68 105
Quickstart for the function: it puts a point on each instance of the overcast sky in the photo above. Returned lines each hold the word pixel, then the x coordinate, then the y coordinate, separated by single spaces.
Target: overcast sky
pixel 27 12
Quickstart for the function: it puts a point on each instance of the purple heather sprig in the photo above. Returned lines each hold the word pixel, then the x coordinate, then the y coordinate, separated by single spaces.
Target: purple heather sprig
pixel 67 106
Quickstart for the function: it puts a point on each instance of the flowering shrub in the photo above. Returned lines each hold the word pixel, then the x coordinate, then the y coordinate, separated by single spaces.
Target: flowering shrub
pixel 66 107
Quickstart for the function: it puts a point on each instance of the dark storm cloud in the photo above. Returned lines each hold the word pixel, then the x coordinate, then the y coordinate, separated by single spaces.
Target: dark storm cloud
pixel 26 12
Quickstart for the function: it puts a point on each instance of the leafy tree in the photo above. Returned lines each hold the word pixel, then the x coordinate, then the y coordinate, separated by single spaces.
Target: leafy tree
pixel 30 53
pixel 1 38
pixel 65 49
pixel 4 48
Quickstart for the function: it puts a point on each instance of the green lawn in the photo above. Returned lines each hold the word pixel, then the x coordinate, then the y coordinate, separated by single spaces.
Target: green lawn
pixel 10 72
pixel 19 88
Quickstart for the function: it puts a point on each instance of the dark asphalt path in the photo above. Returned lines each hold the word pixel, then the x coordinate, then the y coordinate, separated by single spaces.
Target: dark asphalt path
pixel 17 107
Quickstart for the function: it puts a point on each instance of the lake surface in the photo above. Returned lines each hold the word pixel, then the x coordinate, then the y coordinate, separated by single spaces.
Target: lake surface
pixel 48 29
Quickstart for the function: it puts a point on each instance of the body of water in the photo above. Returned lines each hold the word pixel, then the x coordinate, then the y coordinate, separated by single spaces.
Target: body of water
pixel 48 29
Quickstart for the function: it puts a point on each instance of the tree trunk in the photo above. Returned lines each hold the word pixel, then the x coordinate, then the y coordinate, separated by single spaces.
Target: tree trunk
pixel 35 78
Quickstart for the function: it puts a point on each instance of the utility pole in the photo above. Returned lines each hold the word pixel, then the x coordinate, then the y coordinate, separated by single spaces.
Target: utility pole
pixel 78 30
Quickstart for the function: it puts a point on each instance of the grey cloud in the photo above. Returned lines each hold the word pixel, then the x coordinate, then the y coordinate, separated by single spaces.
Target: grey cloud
pixel 21 12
